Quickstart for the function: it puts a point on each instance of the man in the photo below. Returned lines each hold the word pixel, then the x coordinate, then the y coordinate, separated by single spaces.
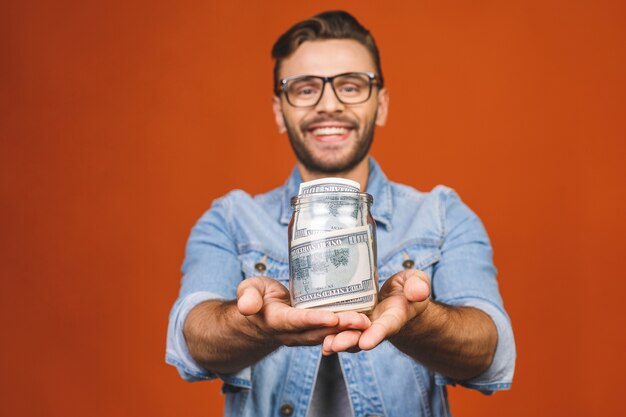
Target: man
pixel 439 319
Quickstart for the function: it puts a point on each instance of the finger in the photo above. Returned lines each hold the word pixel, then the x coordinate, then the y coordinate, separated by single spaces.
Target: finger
pixel 417 288
pixel 327 345
pixel 386 325
pixel 250 296
pixel 345 340
pixel 353 320
pixel 284 318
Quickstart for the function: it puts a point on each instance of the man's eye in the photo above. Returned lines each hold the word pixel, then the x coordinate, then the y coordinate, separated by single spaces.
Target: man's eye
pixel 306 91
pixel 350 88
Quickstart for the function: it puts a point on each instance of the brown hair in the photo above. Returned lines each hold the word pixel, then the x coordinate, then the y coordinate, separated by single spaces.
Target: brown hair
pixel 335 24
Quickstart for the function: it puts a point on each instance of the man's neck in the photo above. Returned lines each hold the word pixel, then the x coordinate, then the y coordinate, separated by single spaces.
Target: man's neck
pixel 359 173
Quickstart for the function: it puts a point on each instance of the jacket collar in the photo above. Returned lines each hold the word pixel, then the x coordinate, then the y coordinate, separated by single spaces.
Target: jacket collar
pixel 377 185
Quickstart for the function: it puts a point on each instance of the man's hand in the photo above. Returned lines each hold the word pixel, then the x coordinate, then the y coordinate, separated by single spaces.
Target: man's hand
pixel 402 298
pixel 266 304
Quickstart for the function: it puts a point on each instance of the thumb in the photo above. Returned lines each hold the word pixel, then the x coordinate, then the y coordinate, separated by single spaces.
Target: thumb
pixel 417 287
pixel 250 296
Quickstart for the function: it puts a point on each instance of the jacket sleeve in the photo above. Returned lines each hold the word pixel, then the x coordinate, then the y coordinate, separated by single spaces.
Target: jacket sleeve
pixel 211 270
pixel 466 276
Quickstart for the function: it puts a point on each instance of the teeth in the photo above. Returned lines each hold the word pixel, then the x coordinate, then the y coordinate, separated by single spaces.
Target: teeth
pixel 330 131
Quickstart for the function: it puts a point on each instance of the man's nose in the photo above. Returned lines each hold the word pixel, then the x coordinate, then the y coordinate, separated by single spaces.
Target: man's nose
pixel 329 103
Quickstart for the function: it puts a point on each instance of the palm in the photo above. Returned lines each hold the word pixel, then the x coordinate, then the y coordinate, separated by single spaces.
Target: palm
pixel 394 300
pixel 266 304
pixel 401 298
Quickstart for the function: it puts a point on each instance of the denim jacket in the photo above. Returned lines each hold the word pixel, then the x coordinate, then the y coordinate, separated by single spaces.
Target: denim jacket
pixel 435 230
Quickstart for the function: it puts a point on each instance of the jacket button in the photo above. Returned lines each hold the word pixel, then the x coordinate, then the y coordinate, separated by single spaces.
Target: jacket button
pixel 260 267
pixel 408 264
pixel 286 410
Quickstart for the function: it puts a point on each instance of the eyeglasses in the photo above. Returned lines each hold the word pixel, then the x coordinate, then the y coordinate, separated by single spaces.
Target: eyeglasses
pixel 349 88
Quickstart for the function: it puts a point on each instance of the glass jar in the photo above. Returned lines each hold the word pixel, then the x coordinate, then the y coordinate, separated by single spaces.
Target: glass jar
pixel 332 252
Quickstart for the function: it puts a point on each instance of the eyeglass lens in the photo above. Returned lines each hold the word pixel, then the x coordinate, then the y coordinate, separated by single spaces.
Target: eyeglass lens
pixel 349 88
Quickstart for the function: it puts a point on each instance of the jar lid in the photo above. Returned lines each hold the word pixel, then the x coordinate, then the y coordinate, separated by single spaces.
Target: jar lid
pixel 348 197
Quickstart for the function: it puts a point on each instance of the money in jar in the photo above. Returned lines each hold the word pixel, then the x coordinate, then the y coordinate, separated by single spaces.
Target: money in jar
pixel 332 247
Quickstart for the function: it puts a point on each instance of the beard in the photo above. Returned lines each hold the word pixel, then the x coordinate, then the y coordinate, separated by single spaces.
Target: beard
pixel 357 152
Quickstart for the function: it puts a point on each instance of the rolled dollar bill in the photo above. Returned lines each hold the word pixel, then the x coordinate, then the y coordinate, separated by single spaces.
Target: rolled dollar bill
pixel 325 212
pixel 357 304
pixel 332 247
pixel 329 185
pixel 335 268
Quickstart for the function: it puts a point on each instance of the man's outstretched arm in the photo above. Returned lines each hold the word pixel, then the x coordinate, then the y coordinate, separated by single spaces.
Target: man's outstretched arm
pixel 458 342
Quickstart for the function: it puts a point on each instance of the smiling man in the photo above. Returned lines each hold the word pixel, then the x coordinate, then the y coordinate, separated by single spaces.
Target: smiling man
pixel 330 117
pixel 440 319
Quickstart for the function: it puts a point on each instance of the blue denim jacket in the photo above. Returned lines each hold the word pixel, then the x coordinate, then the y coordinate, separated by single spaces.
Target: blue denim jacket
pixel 436 230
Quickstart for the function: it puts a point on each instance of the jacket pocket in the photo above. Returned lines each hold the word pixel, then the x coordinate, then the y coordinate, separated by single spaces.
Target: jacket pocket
pixel 258 263
pixel 420 256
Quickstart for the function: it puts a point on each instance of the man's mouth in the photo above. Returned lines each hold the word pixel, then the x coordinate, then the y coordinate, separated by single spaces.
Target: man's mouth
pixel 330 133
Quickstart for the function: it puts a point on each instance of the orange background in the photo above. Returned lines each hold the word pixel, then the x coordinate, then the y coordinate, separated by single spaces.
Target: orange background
pixel 121 122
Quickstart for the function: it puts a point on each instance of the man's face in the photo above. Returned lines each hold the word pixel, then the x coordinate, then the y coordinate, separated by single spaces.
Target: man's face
pixel 330 137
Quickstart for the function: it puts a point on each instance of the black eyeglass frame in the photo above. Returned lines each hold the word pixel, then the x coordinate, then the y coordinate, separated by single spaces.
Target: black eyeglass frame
pixel 372 78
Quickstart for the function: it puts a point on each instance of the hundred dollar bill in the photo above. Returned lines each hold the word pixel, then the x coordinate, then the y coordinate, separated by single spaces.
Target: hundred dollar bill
pixel 332 267
pixel 363 303
pixel 330 212
pixel 329 185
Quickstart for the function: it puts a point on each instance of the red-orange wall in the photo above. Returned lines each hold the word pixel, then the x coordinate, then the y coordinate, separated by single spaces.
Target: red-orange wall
pixel 121 121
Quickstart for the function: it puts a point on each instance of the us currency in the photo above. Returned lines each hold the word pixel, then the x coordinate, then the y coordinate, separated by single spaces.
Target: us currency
pixel 363 303
pixel 328 212
pixel 333 269
pixel 329 185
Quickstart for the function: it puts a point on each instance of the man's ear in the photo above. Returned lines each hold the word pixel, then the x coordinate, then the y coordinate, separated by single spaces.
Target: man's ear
pixel 383 107
pixel 278 114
